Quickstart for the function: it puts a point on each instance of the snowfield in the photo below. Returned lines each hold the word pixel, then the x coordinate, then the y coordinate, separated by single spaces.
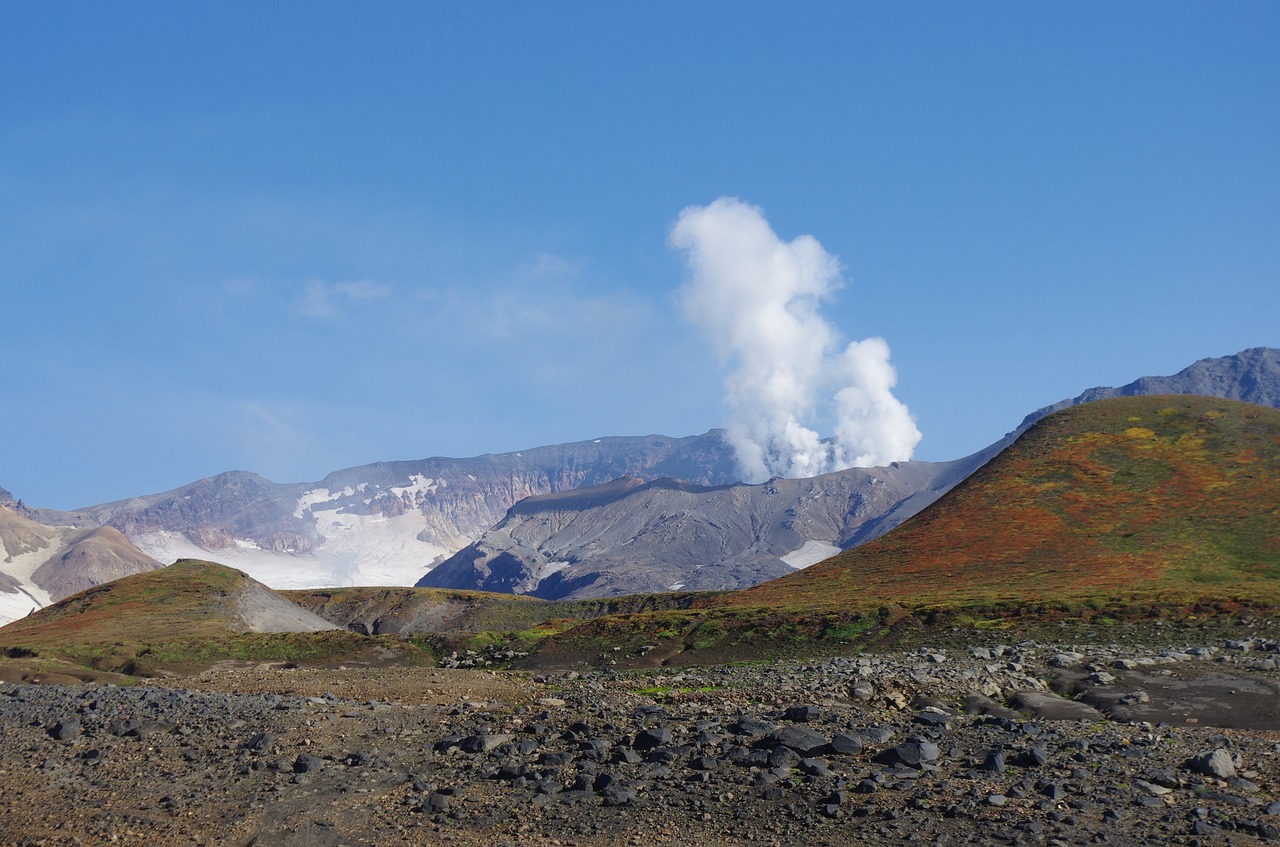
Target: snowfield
pixel 810 554
pixel 20 603
pixel 358 550
pixel 29 596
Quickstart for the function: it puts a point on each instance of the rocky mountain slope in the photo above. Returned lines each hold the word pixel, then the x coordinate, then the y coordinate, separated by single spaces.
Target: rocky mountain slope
pixel 385 523
pixel 632 536
pixel 663 535
pixel 43 563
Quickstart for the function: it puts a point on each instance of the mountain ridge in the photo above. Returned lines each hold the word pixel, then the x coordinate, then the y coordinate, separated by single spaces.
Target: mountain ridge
pixel 1250 376
pixel 615 553
pixel 389 523
pixel 384 523
pixel 631 536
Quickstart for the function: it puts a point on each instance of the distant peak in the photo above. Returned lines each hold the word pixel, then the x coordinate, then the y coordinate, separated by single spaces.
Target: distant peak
pixel 1251 376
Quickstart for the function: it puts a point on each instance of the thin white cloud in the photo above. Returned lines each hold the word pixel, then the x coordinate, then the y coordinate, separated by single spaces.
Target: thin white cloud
pixel 316 302
pixel 546 313
pixel 322 300
pixel 240 287
pixel 362 290
pixel 549 264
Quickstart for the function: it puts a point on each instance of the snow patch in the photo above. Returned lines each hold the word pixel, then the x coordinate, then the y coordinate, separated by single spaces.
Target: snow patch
pixel 418 484
pixel 28 597
pixel 22 566
pixel 316 496
pixel 359 550
pixel 373 550
pixel 675 586
pixel 810 554
pixel 549 568
pixel 18 604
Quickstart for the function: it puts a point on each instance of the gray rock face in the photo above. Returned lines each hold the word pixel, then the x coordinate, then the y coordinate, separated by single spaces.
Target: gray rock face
pixel 259 609
pixel 467 495
pixel 484 743
pixel 913 753
pixel 1052 707
pixel 634 536
pixel 803 740
pixel 385 523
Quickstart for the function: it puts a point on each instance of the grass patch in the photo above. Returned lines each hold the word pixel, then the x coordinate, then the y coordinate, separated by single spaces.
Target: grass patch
pixel 706 635
pixel 184 617
pixel 851 630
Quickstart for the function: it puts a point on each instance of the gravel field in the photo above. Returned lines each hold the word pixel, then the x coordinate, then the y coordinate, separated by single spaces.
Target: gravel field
pixel 928 747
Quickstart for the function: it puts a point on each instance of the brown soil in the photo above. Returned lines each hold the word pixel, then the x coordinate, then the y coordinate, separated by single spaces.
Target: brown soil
pixel 398 685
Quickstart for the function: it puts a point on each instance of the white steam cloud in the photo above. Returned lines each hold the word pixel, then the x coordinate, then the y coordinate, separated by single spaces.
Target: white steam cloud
pixel 757 298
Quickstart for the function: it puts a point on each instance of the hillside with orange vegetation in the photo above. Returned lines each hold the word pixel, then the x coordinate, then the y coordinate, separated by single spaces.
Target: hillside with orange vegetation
pixel 184 616
pixel 1167 499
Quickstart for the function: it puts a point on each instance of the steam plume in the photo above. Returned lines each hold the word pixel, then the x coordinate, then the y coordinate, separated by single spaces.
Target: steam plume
pixel 758 299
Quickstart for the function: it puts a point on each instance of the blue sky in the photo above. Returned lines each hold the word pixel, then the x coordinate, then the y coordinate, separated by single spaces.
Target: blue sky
pixel 295 237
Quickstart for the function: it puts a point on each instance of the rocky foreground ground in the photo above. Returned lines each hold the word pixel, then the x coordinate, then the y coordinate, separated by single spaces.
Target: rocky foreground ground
pixel 928 747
